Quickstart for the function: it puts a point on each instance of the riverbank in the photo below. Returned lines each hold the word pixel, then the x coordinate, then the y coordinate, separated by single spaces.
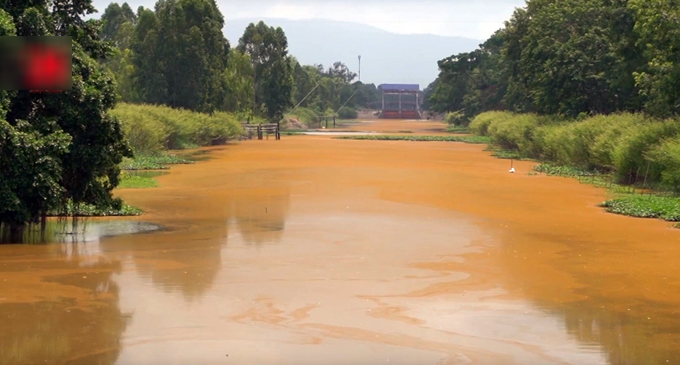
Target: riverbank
pixel 626 153
pixel 369 250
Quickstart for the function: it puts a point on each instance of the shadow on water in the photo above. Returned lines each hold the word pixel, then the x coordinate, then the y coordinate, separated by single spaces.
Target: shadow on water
pixel 260 216
pixel 83 325
pixel 615 313
pixel 188 260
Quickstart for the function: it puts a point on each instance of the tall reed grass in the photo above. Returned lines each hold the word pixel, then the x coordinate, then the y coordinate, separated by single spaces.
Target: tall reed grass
pixel 633 147
pixel 151 129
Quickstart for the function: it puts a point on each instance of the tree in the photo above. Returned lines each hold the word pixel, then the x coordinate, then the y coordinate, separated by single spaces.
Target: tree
pixel 58 147
pixel 268 51
pixel 658 24
pixel 238 83
pixel 114 18
pixel 180 54
pixel 341 71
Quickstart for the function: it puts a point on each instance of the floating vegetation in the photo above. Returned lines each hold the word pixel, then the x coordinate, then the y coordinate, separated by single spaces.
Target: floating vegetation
pixel 646 206
pixel 464 139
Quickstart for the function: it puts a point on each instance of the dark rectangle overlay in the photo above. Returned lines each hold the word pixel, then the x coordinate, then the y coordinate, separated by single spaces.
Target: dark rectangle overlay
pixel 35 63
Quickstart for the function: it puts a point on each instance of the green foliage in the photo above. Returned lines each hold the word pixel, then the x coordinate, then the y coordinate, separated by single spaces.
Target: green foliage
pixel 155 162
pixel 238 81
pixel 666 158
pixel 456 119
pixel 152 129
pixel 458 129
pixel 574 58
pixel 180 54
pixel 562 170
pixel 347 113
pixel 658 24
pixel 90 210
pixel 645 206
pixel 58 147
pixel 144 180
pixel 634 147
pixel 273 81
pixel 465 139
pixel 480 125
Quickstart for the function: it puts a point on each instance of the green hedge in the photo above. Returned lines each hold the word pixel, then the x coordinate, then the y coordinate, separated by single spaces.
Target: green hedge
pixel 151 129
pixel 629 145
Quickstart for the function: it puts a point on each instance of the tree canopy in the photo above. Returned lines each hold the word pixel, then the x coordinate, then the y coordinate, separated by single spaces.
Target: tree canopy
pixel 58 147
pixel 569 58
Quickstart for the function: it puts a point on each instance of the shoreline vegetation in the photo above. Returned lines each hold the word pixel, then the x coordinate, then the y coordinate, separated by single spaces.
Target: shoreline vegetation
pixel 381 137
pixel 635 157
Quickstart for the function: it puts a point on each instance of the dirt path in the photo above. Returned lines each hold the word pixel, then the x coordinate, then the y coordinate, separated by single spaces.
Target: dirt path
pixel 312 250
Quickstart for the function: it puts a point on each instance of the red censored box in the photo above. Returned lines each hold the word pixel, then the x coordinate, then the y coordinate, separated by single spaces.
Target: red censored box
pixel 35 63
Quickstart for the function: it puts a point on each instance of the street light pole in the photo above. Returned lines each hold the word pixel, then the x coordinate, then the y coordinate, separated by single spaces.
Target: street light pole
pixel 359 68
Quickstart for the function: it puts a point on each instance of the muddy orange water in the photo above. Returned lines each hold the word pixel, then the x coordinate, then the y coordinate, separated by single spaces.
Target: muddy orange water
pixel 312 250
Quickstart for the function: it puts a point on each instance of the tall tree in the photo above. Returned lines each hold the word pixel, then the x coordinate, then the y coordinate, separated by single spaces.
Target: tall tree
pixel 268 51
pixel 58 147
pixel 180 54
pixel 238 83
pixel 658 23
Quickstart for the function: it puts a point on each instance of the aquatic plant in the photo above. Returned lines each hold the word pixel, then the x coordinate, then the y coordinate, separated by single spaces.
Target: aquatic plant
pixel 465 139
pixel 457 129
pixel 645 206
pixel 157 162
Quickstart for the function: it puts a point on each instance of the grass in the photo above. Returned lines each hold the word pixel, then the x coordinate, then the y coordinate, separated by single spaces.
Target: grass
pixel 152 129
pixel 626 202
pixel 464 139
pixel 646 206
pixel 457 129
pixel 158 162
pixel 138 180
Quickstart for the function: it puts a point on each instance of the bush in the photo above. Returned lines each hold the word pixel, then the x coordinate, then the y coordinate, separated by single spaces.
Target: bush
pixel 457 119
pixel 630 154
pixel 666 160
pixel 631 145
pixel 347 113
pixel 152 129
pixel 480 124
pixel 514 132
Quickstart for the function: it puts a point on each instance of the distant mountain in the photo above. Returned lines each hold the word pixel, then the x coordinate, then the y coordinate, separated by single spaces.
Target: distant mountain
pixel 385 57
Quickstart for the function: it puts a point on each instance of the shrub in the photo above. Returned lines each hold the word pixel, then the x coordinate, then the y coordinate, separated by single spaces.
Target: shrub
pixel 152 129
pixel 457 119
pixel 666 159
pixel 629 155
pixel 347 113
pixel 514 132
pixel 480 124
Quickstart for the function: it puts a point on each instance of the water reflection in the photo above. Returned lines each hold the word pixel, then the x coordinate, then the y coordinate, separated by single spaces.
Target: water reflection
pixel 602 299
pixel 64 313
pixel 624 338
pixel 260 217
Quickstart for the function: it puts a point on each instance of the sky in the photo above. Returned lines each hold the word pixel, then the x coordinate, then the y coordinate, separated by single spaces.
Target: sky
pixel 464 18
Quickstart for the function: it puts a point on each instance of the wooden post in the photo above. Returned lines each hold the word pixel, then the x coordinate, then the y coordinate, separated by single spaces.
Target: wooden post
pixel 327 122
pixel 333 122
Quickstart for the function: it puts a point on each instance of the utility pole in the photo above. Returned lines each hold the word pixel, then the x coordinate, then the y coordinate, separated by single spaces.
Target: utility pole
pixel 359 68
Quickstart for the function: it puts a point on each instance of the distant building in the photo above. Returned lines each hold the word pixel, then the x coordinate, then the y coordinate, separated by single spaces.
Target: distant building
pixel 400 101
